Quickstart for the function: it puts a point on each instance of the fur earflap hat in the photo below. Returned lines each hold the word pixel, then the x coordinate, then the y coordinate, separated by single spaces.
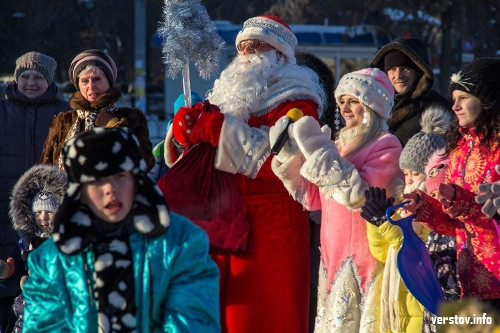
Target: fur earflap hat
pixel 371 86
pixel 435 121
pixel 39 62
pixel 480 78
pixel 99 153
pixel 93 57
pixel 38 179
pixel 272 30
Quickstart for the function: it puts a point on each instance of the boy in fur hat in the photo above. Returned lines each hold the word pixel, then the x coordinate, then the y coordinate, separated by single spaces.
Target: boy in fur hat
pixel 118 261
pixel 34 200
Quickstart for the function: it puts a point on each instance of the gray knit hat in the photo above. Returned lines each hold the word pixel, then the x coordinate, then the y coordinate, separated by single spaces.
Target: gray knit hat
pixel 93 57
pixel 44 201
pixel 435 121
pixel 36 61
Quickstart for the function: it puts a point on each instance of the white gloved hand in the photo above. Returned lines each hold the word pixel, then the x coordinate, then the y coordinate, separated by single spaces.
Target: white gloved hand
pixel 290 147
pixel 488 195
pixel 311 137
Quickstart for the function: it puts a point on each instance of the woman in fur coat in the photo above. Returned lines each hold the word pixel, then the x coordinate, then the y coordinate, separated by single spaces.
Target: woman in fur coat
pixel 332 176
pixel 93 73
pixel 34 200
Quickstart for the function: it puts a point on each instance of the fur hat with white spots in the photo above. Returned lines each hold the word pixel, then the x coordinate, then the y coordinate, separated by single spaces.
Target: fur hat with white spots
pixel 272 30
pixel 99 153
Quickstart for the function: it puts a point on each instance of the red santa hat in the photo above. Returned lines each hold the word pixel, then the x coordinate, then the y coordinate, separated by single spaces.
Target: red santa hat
pixel 272 30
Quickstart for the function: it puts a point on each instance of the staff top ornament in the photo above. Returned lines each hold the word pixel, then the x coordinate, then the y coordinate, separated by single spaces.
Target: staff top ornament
pixel 189 34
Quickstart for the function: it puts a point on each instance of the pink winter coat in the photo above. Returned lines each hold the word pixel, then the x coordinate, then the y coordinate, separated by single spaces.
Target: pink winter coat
pixel 343 231
pixel 478 248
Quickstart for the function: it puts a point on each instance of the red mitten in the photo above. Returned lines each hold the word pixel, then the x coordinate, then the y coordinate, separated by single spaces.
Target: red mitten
pixel 447 193
pixel 184 121
pixel 209 125
pixel 456 200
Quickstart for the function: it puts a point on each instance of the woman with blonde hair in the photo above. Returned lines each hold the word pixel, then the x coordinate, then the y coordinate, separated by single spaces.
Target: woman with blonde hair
pixel 332 176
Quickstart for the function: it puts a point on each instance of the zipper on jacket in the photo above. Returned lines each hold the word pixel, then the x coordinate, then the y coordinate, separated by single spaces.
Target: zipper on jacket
pixel 88 275
pixel 467 244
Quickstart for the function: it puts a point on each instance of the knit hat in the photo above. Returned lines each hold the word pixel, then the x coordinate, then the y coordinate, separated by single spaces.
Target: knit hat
pixel 40 187
pixel 435 170
pixel 44 201
pixel 480 78
pixel 435 121
pixel 371 86
pixel 92 155
pixel 93 57
pixel 272 30
pixel 39 62
pixel 398 58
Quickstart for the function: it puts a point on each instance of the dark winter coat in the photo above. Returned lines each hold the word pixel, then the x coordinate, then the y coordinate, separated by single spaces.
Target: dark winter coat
pixel 404 120
pixel 24 124
pixel 60 126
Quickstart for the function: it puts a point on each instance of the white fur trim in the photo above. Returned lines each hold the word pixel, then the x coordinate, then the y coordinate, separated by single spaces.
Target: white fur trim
pixel 242 149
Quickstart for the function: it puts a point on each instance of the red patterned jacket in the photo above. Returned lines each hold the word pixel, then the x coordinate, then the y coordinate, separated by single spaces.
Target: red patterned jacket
pixel 478 248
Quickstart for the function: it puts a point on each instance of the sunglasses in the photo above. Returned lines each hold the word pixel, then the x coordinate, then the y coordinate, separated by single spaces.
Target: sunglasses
pixel 253 45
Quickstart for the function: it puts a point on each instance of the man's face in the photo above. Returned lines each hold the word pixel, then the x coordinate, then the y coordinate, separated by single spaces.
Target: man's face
pixel 250 46
pixel 402 78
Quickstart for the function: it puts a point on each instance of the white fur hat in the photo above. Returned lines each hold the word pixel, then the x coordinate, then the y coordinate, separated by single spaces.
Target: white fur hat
pixel 272 30
pixel 371 86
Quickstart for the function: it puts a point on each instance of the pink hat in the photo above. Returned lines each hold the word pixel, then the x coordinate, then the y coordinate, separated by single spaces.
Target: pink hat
pixel 272 30
pixel 371 86
pixel 435 170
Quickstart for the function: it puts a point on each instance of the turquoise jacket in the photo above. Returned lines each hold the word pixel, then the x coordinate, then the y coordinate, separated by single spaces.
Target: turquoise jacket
pixel 176 285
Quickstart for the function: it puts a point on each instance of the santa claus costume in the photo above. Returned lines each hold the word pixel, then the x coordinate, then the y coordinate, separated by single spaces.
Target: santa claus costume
pixel 265 289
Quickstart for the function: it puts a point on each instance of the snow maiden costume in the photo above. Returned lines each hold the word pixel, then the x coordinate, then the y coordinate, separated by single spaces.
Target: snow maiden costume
pixel 332 177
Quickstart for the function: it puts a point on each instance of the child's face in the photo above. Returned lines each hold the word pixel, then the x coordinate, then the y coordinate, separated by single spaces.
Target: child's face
pixel 110 198
pixel 412 176
pixel 43 219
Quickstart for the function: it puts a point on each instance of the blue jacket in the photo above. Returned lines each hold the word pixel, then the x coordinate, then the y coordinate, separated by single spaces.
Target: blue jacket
pixel 176 285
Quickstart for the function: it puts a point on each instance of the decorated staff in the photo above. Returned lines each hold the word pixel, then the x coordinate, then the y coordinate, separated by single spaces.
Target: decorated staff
pixel 189 34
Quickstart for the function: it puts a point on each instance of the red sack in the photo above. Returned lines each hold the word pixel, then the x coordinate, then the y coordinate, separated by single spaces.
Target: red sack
pixel 210 198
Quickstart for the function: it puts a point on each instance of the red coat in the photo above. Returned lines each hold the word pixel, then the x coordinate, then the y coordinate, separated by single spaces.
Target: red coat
pixel 267 290
pixel 478 248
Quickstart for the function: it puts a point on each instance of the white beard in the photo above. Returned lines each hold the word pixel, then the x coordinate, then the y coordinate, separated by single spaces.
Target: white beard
pixel 244 83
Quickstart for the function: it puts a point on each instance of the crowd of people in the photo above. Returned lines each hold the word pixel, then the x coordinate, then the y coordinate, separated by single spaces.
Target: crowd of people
pixel 280 237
